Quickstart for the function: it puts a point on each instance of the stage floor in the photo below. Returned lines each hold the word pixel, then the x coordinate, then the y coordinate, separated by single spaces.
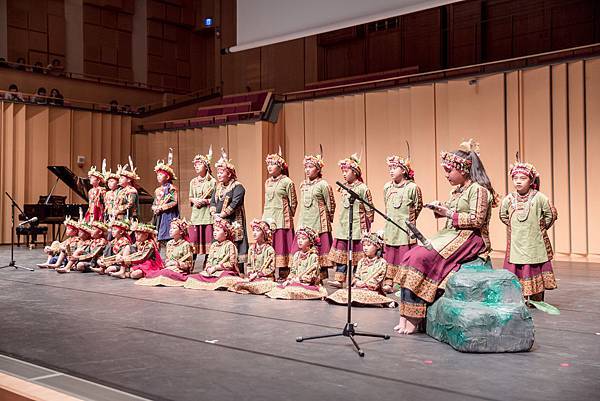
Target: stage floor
pixel 176 344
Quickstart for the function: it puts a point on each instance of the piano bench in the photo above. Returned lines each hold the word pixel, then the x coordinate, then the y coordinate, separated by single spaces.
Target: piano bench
pixel 31 232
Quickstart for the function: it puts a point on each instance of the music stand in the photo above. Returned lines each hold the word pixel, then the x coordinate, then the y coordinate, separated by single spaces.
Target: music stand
pixel 12 262
pixel 349 328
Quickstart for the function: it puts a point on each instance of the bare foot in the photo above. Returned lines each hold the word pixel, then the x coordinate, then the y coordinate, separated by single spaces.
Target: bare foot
pixel 42 265
pixel 63 270
pixel 401 324
pixel 335 283
pixel 387 289
pixel 411 327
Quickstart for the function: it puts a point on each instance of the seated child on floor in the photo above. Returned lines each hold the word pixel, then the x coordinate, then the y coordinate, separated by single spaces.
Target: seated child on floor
pixel 119 247
pixel 83 247
pixel 58 251
pixel 146 258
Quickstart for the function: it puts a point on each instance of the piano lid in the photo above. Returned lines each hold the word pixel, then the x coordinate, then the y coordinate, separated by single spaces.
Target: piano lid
pixel 81 185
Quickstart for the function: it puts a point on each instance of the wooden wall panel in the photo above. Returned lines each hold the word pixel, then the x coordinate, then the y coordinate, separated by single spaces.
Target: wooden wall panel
pixel 536 134
pixel 59 145
pixel 82 146
pixel 7 166
pixel 106 144
pixel 577 159
pixel 592 102
pixel 293 115
pixel 19 166
pixel 247 148
pixel 560 159
pixel 282 66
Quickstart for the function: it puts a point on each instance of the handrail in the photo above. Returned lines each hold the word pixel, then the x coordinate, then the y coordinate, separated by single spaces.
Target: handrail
pixel 88 77
pixel 437 74
pixel 28 98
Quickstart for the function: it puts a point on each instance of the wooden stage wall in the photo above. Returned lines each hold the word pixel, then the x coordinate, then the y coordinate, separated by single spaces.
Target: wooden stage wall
pixel 34 137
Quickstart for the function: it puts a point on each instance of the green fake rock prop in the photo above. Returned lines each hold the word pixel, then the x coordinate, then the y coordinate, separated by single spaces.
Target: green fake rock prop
pixel 482 310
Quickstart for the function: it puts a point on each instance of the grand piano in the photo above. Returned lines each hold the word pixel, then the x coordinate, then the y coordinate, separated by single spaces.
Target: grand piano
pixel 53 209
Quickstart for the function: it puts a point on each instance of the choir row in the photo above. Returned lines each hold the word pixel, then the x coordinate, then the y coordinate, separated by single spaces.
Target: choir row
pixel 284 263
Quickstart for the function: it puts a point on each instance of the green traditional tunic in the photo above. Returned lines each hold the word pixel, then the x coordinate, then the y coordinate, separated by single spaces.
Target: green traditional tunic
pixel 261 260
pixel 95 249
pixel 222 256
pixel 362 215
pixel 317 205
pixel 371 272
pixel 201 189
pixel 181 251
pixel 402 202
pixel 528 218
pixel 471 207
pixel 126 203
pixel 305 268
pixel 280 201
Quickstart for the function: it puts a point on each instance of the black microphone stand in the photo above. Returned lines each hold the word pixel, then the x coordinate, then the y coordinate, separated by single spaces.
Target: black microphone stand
pixel 349 328
pixel 12 262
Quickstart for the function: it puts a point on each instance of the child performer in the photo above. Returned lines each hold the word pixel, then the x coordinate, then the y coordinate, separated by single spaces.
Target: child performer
pixel 369 276
pixel 83 247
pixel 317 208
pixel 528 213
pixel 403 201
pixel 146 258
pixel 119 247
pixel 202 188
pixel 280 207
pixel 361 220
pixel 96 195
pixel 304 280
pixel 179 260
pixel 127 202
pixel 227 203
pixel 221 267
pixel 261 262
pixel 110 197
pixel 165 206
pixel 98 242
pixel 58 251
pixel 464 238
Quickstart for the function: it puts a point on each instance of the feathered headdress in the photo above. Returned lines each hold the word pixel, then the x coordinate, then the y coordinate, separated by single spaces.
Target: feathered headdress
pixel 353 163
pixel 225 163
pixel 278 160
pixel 93 172
pixel 204 159
pixel 396 161
pixel 315 160
pixel 166 167
pixel 527 169
pixel 131 173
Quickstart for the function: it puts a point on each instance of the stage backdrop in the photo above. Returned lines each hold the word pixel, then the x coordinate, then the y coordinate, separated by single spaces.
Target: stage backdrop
pixel 549 114
pixel 34 137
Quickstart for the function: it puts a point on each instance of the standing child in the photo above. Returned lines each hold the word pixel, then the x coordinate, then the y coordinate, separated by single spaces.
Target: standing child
pixel 304 280
pixel 221 267
pixel 127 202
pixel 96 194
pixel 261 262
pixel 280 207
pixel 165 206
pixel 110 197
pixel 528 214
pixel 202 188
pixel 368 279
pixel 361 220
pixel 227 203
pixel 178 262
pixel 317 208
pixel 403 201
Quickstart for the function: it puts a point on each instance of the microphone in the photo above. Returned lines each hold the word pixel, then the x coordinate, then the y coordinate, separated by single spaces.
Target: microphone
pixel 418 235
pixel 31 220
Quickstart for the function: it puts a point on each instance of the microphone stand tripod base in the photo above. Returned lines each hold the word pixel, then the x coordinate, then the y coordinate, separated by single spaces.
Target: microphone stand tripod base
pixel 349 332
